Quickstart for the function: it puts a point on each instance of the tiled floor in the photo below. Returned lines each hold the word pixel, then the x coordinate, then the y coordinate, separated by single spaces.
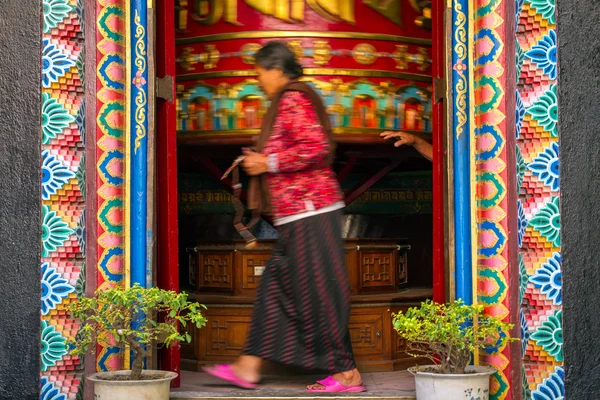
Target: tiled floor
pixel 380 385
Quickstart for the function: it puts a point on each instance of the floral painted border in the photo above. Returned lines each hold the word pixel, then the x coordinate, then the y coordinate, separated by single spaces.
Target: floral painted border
pixel 63 197
pixel 538 176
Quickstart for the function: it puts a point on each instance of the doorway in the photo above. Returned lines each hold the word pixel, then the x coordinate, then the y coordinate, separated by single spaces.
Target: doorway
pixel 393 227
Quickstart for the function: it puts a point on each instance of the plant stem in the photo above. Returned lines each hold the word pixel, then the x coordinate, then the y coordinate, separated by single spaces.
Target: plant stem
pixel 138 362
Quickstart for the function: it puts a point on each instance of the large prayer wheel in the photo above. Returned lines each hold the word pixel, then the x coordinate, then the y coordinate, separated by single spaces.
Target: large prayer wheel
pixel 370 60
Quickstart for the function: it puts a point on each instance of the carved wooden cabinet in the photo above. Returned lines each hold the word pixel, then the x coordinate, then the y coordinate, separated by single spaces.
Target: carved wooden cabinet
pixel 374 266
pixel 226 276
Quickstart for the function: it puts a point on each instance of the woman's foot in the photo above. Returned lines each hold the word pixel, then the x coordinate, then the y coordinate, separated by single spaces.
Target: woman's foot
pixel 346 378
pixel 247 368
pixel 244 372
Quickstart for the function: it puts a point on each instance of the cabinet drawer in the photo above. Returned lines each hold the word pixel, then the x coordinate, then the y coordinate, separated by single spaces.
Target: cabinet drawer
pixel 215 271
pixel 252 265
pixel 377 269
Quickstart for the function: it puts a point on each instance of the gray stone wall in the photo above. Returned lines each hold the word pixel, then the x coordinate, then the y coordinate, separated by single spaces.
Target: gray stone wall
pixel 579 129
pixel 20 225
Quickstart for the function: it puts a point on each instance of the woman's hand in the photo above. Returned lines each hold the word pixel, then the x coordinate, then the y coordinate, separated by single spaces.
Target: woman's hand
pixel 254 163
pixel 421 145
pixel 403 138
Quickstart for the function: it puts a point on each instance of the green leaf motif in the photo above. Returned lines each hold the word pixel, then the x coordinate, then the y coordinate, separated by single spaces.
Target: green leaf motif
pixel 545 111
pixel 521 168
pixel 550 336
pixel 520 55
pixel 80 284
pixel 523 278
pixel 547 222
pixel 54 118
pixel 80 175
pixel 54 231
pixel 54 13
pixel 545 8
pixel 53 345
pixel 525 384
pixel 81 67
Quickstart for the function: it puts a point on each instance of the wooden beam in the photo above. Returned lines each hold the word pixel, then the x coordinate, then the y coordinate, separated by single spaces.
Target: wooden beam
pixel 365 185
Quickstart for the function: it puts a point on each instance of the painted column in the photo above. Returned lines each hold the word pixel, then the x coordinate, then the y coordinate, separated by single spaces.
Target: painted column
pixel 137 140
pixel 461 150
pixel 496 238
pixel 110 154
pixel 484 173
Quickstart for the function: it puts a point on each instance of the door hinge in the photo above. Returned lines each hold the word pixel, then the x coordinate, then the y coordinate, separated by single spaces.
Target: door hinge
pixel 439 89
pixel 165 87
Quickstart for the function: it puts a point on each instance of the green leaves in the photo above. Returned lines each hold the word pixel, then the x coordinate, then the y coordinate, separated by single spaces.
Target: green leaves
pixel 135 316
pixel 449 332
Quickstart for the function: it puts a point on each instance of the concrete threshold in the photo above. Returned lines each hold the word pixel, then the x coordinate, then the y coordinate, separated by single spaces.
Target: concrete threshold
pixel 395 385
pixel 289 395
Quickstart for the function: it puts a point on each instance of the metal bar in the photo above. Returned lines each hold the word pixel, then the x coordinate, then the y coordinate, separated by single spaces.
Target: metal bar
pixel 379 247
pixel 369 182
pixel 216 173
pixel 363 73
pixel 302 34
pixel 151 161
pixel 336 130
pixel 198 249
pixel 347 168
pixel 448 140
pixel 151 360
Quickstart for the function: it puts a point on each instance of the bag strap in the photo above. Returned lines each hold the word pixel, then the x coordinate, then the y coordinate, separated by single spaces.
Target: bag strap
pixel 244 230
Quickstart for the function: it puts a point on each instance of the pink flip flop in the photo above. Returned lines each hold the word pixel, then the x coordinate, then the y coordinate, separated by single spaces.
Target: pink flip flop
pixel 333 386
pixel 224 372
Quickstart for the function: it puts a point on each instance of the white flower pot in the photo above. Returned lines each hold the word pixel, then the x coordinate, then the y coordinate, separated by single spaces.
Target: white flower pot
pixel 150 389
pixel 473 385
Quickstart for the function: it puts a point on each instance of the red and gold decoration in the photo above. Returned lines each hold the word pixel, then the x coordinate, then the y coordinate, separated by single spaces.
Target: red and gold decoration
pixel 370 62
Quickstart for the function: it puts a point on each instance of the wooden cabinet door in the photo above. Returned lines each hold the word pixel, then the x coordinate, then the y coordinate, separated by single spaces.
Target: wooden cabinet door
pixel 368 333
pixel 224 336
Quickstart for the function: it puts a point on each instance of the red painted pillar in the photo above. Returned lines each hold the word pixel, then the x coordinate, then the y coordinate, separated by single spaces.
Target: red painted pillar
pixel 166 170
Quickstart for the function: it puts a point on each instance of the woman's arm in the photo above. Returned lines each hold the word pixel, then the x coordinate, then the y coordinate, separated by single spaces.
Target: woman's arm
pixel 304 141
pixel 421 145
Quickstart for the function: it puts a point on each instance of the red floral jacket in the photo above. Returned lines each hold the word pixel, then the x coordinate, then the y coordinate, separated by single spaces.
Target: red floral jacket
pixel 300 178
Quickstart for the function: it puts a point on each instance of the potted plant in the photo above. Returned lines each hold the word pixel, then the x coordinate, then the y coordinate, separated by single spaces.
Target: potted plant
pixel 448 334
pixel 128 317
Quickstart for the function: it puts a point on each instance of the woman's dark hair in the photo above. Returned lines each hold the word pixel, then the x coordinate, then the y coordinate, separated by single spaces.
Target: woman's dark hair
pixel 277 55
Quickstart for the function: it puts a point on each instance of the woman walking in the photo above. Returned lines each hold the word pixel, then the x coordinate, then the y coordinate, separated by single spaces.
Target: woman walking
pixel 302 306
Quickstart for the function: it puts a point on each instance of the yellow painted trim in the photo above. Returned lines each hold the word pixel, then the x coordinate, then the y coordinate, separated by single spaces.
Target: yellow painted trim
pixel 473 184
pixel 127 180
pixel 302 34
pixel 363 73
pixel 449 140
pixel 472 144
